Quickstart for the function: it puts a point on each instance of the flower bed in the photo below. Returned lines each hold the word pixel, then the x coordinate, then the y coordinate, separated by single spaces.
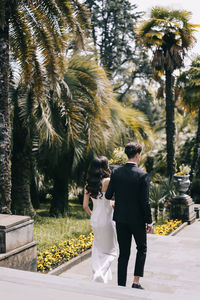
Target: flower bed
pixel 165 229
pixel 63 252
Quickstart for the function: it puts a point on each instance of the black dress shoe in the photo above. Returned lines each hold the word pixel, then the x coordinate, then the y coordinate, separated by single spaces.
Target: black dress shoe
pixel 137 286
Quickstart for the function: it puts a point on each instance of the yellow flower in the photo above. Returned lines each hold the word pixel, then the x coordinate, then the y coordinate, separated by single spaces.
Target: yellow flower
pixel 63 252
pixel 168 227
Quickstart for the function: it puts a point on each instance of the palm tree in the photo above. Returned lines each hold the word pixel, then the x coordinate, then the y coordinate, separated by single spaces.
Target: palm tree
pixel 30 123
pixel 77 114
pixel 169 34
pixel 35 33
pixel 20 161
pixel 84 116
pixel 62 126
pixel 189 81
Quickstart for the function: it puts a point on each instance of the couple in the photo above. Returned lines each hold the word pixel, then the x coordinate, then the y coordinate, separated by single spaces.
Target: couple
pixel 132 215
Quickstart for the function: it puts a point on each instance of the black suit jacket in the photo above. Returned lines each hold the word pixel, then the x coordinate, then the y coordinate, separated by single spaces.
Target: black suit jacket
pixel 130 187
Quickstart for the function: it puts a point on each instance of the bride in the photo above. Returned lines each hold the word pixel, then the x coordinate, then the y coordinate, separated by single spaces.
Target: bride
pixel 104 249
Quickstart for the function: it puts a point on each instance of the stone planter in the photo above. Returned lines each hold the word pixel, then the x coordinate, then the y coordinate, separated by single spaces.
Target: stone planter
pixel 182 206
pixel 182 183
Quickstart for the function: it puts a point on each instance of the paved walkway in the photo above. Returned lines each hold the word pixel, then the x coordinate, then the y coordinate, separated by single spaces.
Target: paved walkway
pixel 172 266
pixel 172 271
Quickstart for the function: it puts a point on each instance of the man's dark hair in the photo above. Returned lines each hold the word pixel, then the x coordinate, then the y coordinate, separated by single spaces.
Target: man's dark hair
pixel 132 149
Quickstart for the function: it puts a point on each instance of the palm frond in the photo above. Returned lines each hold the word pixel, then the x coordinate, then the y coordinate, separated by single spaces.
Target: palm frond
pixel 133 119
pixel 21 42
pixel 189 81
pixel 164 20
pixel 39 33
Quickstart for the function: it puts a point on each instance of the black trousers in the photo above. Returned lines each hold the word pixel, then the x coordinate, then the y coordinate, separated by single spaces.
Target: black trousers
pixel 124 236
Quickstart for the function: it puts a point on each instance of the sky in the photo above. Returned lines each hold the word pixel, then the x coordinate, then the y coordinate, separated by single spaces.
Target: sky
pixel 190 5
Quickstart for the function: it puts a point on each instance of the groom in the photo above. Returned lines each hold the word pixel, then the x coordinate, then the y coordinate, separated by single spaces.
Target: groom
pixel 132 213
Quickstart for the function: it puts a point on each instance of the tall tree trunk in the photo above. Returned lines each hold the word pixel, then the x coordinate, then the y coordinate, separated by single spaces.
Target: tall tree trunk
pixel 59 202
pixel 35 199
pixel 5 173
pixel 170 126
pixel 61 180
pixel 197 166
pixel 196 146
pixel 21 168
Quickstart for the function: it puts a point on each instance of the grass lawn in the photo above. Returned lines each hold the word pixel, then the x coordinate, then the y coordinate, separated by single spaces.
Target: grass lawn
pixel 52 231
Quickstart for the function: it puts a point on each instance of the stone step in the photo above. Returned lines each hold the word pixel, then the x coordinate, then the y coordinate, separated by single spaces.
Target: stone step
pixel 19 285
pixel 157 281
pixel 172 269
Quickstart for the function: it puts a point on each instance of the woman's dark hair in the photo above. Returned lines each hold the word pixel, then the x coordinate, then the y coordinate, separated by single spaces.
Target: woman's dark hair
pixel 97 171
pixel 105 166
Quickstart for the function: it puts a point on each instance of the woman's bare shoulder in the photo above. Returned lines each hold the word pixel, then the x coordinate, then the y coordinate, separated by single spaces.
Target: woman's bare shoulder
pixel 105 184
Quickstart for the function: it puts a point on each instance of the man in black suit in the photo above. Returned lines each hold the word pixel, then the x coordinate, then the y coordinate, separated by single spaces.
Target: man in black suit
pixel 132 212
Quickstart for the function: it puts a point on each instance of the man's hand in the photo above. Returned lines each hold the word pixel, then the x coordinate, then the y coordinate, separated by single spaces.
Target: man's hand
pixel 149 228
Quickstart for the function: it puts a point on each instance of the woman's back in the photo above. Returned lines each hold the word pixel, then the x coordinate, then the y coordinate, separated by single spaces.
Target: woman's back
pixel 104 248
pixel 102 212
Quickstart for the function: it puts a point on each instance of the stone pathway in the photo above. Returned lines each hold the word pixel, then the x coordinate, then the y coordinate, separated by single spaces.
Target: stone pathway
pixel 172 271
pixel 172 266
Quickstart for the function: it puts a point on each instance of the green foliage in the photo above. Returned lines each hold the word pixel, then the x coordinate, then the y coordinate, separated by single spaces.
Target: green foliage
pixel 113 24
pixel 130 123
pixel 118 157
pixel 189 82
pixel 87 121
pixel 34 36
pixel 184 151
pixel 161 192
pixel 44 28
pixel 149 162
pixel 169 32
pixel 144 100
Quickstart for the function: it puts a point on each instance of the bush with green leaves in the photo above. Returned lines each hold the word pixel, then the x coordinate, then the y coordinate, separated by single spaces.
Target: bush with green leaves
pixel 118 157
pixel 161 192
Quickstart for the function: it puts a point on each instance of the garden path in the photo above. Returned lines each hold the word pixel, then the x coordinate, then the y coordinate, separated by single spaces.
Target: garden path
pixel 172 267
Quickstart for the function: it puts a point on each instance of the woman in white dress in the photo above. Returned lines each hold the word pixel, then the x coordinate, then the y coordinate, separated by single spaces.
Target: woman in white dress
pixel 104 249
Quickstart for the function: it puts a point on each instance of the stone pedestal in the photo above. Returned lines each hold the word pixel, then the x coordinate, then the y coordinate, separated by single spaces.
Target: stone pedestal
pixel 17 248
pixel 182 208
pixel 197 210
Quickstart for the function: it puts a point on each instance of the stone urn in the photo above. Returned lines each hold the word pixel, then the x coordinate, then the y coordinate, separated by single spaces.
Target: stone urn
pixel 182 183
pixel 182 206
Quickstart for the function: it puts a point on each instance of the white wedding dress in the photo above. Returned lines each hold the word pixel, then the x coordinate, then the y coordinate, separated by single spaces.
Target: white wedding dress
pixel 104 249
